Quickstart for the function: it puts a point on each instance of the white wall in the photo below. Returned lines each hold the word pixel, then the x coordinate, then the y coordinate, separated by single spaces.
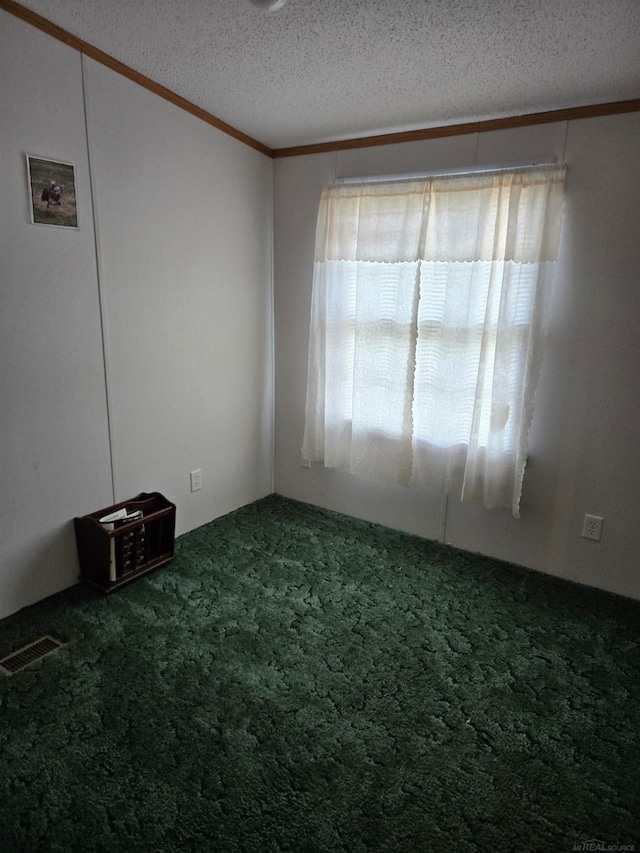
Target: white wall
pixel 584 448
pixel 181 262
pixel 184 223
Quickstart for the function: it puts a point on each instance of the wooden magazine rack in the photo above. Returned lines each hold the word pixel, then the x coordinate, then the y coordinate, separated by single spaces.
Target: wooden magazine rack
pixel 112 554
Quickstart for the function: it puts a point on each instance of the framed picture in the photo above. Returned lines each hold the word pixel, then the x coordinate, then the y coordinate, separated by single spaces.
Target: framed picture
pixel 52 192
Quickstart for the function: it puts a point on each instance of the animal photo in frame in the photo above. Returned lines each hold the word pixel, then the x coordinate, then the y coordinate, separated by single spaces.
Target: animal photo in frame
pixel 52 192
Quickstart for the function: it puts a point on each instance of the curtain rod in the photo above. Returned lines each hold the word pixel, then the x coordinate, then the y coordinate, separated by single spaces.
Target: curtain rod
pixel 416 176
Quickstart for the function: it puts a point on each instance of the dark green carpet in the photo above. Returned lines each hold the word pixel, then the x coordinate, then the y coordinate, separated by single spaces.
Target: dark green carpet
pixel 300 681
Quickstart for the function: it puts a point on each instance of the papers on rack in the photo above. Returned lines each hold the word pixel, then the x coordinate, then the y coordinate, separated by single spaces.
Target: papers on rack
pixel 110 522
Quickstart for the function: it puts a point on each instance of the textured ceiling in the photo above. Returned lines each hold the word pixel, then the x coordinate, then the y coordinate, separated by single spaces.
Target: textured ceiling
pixel 320 70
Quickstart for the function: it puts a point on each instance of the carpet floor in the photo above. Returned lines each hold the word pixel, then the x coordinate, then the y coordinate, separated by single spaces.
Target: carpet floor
pixel 296 680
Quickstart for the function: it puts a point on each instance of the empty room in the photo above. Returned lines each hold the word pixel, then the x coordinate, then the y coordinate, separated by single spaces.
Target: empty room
pixel 319 423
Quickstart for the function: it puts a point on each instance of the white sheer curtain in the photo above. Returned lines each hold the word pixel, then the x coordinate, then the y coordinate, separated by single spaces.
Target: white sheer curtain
pixel 426 335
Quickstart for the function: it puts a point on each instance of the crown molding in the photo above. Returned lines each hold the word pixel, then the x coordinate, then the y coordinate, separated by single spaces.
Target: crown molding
pixel 527 120
pixel 115 65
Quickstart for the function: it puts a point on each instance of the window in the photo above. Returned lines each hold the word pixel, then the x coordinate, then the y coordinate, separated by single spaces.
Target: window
pixel 425 340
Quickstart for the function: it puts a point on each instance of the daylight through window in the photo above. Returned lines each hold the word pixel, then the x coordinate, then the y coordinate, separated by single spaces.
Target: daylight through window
pixel 426 328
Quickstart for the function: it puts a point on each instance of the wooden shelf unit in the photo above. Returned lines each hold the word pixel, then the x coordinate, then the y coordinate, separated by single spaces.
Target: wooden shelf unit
pixel 151 538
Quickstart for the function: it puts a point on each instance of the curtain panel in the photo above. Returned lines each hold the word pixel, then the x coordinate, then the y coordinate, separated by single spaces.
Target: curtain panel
pixel 426 328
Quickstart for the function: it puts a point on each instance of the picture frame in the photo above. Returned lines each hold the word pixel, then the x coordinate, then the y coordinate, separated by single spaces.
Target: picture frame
pixel 52 192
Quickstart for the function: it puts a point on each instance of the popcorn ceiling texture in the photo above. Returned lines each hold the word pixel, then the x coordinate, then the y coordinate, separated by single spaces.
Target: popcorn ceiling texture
pixel 301 681
pixel 320 70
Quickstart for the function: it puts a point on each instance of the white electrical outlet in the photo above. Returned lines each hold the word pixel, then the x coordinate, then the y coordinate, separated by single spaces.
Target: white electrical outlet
pixel 592 527
pixel 304 462
pixel 196 480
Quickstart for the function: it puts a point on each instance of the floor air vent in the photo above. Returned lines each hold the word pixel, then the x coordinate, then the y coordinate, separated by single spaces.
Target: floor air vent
pixel 29 654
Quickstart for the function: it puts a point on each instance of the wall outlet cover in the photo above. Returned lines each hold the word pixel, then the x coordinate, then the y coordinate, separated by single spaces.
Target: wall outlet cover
pixel 592 527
